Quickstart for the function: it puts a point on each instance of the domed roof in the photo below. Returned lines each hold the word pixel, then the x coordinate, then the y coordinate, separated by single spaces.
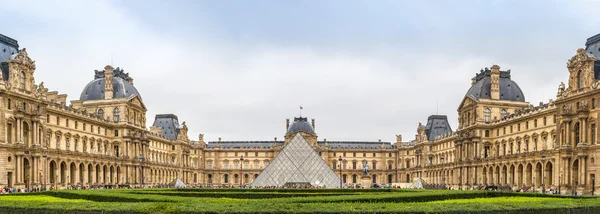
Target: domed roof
pixel 122 88
pixel 300 124
pixel 509 90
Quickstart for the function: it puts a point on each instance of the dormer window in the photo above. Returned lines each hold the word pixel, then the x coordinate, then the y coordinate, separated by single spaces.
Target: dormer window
pixel 579 79
pixel 22 80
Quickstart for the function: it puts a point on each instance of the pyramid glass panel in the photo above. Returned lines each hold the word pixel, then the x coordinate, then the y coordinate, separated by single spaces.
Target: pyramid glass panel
pixel 298 162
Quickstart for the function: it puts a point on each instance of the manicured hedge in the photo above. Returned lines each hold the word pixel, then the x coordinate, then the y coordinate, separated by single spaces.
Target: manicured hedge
pixel 292 201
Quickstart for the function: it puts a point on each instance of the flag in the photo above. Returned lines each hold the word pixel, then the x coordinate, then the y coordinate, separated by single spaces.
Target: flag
pixel 301 107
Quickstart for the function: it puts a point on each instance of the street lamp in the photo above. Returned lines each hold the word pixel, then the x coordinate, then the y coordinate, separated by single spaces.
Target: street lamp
pixel 241 170
pixel 341 176
pixel 543 168
pixel 141 158
pixel 443 174
pixel 45 156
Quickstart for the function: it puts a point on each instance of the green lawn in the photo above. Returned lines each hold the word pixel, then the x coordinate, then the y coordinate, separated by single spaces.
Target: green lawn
pixel 292 201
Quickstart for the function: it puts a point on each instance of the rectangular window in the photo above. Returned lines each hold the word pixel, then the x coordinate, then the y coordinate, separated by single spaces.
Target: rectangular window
pixel 518 127
pixel 374 154
pixel 116 133
pixel 9 133
pixel 504 130
pixel 593 134
pixel 344 154
pixel 544 120
pixel 593 103
pixel 67 123
pixel 84 125
pixel 76 125
pixel 9 104
pixel 47 118
pixel 57 120
pixel 511 129
pixel 535 123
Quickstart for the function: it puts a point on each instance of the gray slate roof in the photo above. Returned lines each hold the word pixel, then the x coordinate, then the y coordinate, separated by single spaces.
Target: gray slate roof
pixel 244 144
pixel 437 125
pixel 169 124
pixel 592 47
pixel 509 90
pixel 300 124
pixel 268 144
pixel 122 88
pixel 8 48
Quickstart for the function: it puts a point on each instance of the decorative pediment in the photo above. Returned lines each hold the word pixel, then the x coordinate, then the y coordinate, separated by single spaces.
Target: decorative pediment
pixel 580 58
pixel 466 102
pixel 135 100
pixel 22 59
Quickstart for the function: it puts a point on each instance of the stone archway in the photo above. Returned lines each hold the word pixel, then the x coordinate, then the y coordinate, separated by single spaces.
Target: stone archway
pixel 512 175
pixel 548 173
pixel 52 172
pixel 90 169
pixel 520 175
pixel 72 173
pixel 575 173
pixel 63 172
pixel 81 173
pixel 26 173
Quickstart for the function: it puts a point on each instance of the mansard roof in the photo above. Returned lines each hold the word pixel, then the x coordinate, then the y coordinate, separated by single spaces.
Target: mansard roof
pixel 268 144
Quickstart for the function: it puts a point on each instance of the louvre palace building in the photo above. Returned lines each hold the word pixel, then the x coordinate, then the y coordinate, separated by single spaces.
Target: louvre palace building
pixel 101 139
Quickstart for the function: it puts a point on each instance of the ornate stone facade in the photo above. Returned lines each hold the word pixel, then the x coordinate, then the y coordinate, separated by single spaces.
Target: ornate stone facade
pixel 101 139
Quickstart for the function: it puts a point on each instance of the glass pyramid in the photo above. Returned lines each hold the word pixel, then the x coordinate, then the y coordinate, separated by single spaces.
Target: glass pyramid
pixel 297 163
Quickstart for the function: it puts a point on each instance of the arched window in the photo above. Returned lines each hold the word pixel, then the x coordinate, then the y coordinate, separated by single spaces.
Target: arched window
pixel 116 114
pixel 503 113
pixel 579 79
pixel 25 133
pixel 576 129
pixel 22 80
pixel 101 113
pixel 487 114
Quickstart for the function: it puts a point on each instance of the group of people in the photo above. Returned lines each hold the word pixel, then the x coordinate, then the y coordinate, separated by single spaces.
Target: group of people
pixel 8 190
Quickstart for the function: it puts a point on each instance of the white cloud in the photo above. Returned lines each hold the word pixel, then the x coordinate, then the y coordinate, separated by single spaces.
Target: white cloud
pixel 242 93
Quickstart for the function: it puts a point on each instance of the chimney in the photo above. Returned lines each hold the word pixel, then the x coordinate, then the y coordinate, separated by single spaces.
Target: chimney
pixel 108 80
pixel 287 124
pixel 495 82
pixel 313 123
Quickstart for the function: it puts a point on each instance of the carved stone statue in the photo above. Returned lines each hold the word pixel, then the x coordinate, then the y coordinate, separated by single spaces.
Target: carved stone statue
pixel 366 169
pixel 398 138
pixel 561 89
pixel 201 138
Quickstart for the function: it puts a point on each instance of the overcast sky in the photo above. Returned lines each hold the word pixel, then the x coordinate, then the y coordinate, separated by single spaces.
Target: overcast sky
pixel 365 70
